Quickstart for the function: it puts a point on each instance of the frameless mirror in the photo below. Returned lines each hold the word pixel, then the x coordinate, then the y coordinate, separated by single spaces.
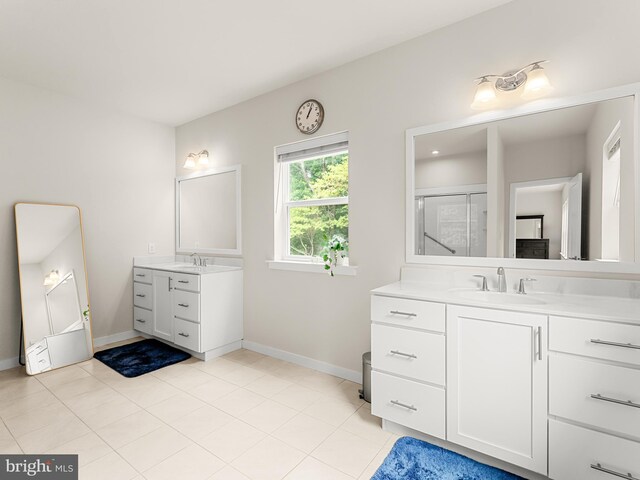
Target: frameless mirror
pixel 53 286
pixel 208 212
pixel 483 190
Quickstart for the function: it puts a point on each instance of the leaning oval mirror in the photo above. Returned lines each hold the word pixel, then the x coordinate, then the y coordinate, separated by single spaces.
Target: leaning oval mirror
pixel 53 286
pixel 208 217
pixel 478 190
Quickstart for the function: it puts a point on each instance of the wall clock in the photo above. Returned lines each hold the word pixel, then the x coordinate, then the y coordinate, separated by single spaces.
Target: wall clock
pixel 310 116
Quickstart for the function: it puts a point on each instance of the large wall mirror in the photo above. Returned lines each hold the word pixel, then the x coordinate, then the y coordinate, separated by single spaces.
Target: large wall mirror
pixel 208 215
pixel 53 286
pixel 549 186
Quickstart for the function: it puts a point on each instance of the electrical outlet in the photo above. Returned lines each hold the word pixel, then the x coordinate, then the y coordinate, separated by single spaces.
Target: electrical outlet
pixel 152 248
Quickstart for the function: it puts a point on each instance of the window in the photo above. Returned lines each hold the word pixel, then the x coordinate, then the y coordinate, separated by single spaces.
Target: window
pixel 312 196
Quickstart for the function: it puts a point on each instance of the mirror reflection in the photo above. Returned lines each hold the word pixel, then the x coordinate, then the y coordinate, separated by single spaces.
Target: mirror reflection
pixel 208 212
pixel 53 286
pixel 550 185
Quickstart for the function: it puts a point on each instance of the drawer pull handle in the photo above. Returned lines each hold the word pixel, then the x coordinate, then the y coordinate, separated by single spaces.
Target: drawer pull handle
pixel 141 295
pixel 600 468
pixel 140 275
pixel 400 404
pixel 615 344
pixel 407 314
pixel 183 334
pixel 402 354
pixel 185 305
pixel 183 281
pixel 140 320
pixel 628 403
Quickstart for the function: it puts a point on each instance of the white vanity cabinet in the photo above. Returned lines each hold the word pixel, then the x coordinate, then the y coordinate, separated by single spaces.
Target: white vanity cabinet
pixel 497 384
pixel 201 313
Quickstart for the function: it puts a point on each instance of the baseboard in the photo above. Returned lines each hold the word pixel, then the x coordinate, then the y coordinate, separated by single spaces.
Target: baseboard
pixel 117 337
pixel 303 361
pixel 8 363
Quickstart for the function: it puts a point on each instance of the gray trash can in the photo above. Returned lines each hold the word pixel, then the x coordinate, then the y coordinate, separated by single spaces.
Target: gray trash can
pixel 365 392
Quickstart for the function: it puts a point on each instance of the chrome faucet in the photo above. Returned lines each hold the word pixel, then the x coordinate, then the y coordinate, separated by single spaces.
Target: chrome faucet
pixel 484 287
pixel 199 260
pixel 521 289
pixel 502 280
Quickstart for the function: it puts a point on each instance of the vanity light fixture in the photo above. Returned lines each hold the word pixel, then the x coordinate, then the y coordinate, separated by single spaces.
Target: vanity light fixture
pixel 51 278
pixel 197 159
pixel 532 76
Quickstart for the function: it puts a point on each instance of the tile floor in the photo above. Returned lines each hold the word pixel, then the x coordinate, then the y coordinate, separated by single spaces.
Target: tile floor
pixel 240 416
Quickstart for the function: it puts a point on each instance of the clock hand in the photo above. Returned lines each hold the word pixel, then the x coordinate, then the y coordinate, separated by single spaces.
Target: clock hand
pixel 309 112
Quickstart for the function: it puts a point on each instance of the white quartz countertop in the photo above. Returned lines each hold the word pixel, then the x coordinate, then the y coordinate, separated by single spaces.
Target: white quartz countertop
pixel 616 309
pixel 179 267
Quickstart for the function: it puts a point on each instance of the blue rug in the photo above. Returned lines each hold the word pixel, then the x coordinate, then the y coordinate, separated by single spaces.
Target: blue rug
pixel 135 359
pixel 412 459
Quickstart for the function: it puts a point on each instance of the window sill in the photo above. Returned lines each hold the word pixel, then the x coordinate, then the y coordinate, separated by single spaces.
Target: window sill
pixel 311 267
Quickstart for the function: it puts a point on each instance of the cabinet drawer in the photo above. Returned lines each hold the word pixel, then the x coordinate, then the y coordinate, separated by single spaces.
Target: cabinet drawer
pixel 143 275
pixel 187 334
pixel 185 281
pixel 186 305
pixel 573 450
pixel 143 320
pixel 142 295
pixel 412 404
pixel 408 313
pixel 593 338
pixel 572 382
pixel 419 355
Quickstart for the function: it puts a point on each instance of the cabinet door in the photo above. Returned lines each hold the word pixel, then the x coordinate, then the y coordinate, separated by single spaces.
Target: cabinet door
pixel 162 306
pixel 497 384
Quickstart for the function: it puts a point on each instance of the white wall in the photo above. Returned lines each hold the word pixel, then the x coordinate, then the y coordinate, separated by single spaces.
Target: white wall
pixel 35 307
pixel 119 170
pixel 452 170
pixel 495 193
pixel 548 204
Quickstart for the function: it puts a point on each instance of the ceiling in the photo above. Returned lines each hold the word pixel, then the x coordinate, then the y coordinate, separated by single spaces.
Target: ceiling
pixel 174 61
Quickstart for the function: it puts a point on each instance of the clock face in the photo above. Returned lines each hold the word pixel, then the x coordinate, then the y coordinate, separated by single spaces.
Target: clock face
pixel 309 116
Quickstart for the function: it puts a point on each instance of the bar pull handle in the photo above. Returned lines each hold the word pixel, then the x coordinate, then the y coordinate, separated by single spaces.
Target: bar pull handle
pixel 183 334
pixel 627 403
pixel 141 295
pixel 406 314
pixel 400 404
pixel 540 343
pixel 140 275
pixel 170 286
pixel 183 281
pixel 140 320
pixel 185 305
pixel 614 344
pixel 402 354
pixel 600 468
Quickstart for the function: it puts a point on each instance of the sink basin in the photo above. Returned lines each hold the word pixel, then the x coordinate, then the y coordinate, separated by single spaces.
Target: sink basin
pixel 207 269
pixel 498 298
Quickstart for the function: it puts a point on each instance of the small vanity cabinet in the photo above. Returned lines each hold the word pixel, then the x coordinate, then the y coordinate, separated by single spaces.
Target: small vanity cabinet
pixel 201 313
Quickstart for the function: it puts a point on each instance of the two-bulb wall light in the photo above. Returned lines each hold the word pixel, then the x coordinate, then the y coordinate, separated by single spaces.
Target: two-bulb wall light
pixel 51 278
pixel 532 77
pixel 197 159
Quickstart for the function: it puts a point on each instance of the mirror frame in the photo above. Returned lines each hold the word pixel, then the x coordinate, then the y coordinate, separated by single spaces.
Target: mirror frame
pixel 540 106
pixel 205 173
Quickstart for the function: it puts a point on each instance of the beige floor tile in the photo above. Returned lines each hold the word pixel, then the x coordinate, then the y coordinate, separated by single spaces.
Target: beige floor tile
pixel 268 364
pixel 346 391
pixel 191 463
pixel 53 435
pixel 201 422
pixel 154 447
pixel 330 410
pixel 7 442
pixel 106 413
pixel 12 374
pixel 232 440
pixel 175 407
pixel 229 473
pixel 91 399
pixel 244 356
pixel 217 366
pixel 242 376
pixel 378 459
pixel 19 387
pixel 212 389
pixel 146 391
pixel 189 379
pixel 37 418
pixel 304 432
pixel 297 397
pixel 365 425
pixel 175 370
pixel 292 372
pixel 110 467
pixel 270 459
pixel 268 385
pixel 89 447
pixel 12 407
pixel 346 452
pixel 238 402
pixel 312 469
pixel 319 381
pixel 77 387
pixel 62 375
pixel 128 429
pixel 268 416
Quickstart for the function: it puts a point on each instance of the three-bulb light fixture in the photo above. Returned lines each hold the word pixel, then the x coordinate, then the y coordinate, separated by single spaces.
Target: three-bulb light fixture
pixel 197 159
pixel 532 77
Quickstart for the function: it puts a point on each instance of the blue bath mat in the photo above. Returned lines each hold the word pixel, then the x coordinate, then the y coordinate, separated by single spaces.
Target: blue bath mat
pixel 412 459
pixel 142 357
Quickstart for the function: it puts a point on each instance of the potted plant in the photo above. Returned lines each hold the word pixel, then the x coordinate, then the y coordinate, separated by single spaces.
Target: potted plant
pixel 335 251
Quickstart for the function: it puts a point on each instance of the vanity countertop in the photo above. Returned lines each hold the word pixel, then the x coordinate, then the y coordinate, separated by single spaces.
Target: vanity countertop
pixel 570 305
pixel 179 267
